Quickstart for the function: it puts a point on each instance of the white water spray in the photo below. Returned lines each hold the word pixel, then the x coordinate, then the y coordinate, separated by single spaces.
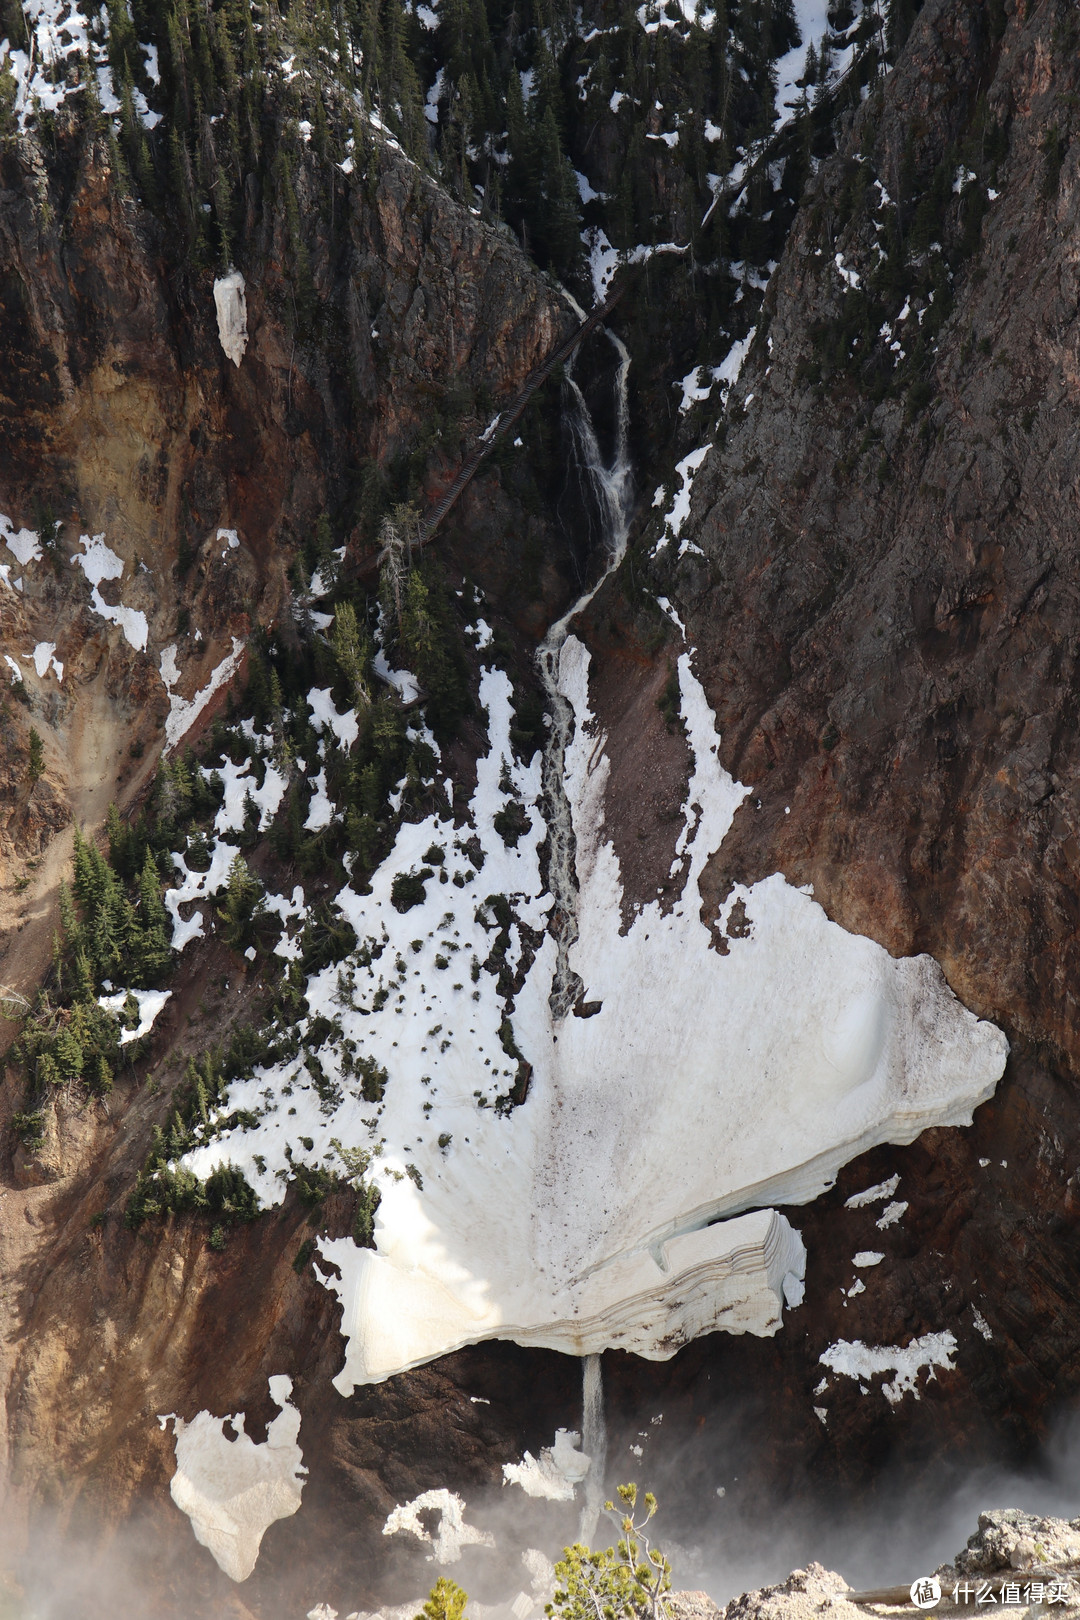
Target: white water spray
pixel 594 1445
pixel 612 485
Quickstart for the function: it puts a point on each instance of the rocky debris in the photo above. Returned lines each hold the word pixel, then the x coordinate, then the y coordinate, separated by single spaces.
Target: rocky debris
pixel 1007 1540
pixel 806 1593
pixel 1010 1539
pixel 691 1606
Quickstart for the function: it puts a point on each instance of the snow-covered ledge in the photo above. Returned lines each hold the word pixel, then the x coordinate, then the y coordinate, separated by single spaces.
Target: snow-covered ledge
pixel 729 1276
pixel 719 1069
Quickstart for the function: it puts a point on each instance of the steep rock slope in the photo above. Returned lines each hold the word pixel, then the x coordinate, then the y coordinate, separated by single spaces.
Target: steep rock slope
pixel 791 528
pixel 876 565
pixel 123 416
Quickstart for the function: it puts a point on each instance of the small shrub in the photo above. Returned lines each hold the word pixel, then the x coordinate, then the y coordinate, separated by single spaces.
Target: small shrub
pixel 363 1228
pixel 35 768
pixel 30 1129
pixel 407 889
pixel 511 822
pixel 373 1079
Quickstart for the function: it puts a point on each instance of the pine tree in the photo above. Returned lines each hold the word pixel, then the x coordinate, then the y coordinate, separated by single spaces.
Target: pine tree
pixel 353 654
pixel 152 911
pixel 446 1601
pixel 244 906
pixel 35 768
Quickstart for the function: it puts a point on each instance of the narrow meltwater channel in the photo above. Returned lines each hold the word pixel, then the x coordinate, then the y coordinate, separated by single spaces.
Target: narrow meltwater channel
pixel 612 485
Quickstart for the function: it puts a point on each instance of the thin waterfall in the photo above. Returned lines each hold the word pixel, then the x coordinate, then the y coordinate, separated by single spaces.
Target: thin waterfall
pixel 612 485
pixel 594 1445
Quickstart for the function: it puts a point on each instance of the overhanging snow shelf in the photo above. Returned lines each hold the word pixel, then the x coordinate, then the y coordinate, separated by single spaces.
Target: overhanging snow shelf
pixel 707 1085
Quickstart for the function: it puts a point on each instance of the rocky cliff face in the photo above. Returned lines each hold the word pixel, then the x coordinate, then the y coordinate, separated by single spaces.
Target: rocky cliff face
pixel 878 577
pixel 123 416
pixel 876 573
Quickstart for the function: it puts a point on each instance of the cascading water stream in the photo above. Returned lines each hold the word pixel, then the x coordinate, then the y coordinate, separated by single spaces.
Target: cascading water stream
pixel 594 1445
pixel 612 486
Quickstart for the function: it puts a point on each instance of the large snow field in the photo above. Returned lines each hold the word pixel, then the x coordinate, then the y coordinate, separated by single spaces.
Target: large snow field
pixel 625 1202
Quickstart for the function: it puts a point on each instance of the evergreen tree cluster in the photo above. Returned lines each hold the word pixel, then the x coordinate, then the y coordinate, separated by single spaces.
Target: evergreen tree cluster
pixel 163 1185
pixel 420 631
pixel 505 101
pixel 105 933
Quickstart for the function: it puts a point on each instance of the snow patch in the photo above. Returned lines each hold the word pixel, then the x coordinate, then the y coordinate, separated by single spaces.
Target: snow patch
pixel 183 712
pixel 853 1359
pixel 234 1490
pixel 403 681
pixel 99 563
pixel 321 811
pixel 873 1195
pixel 345 726
pixel 453 1533
pixel 22 543
pixel 195 886
pixel 680 508
pixel 815 1045
pixel 561 1467
pixel 241 787
pixel 231 306
pixel 149 1002
pixel 44 656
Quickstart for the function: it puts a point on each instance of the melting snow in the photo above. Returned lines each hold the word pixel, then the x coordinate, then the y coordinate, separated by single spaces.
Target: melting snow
pixel 816 1045
pixel 321 811
pixel 195 886
pixel 403 681
pixel 680 508
pixel 813 19
pixel 890 1215
pixel 873 1195
pixel 234 1490
pixel 44 655
pixel 183 712
pixel 22 543
pixel 240 787
pixel 345 726
pixel 99 563
pixel 561 1467
pixel 231 306
pixel 453 1533
pixel 867 1257
pixel 853 1359
pixel 150 1003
